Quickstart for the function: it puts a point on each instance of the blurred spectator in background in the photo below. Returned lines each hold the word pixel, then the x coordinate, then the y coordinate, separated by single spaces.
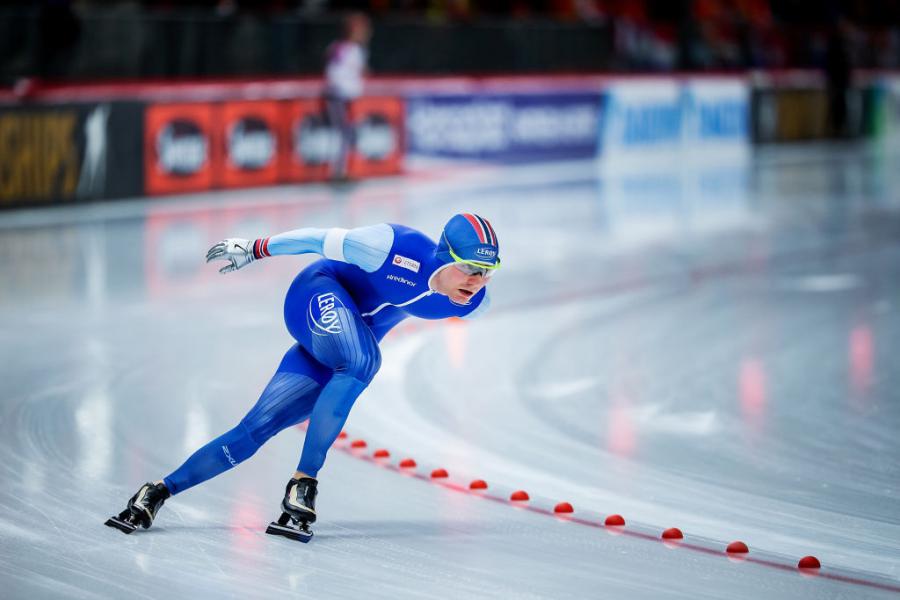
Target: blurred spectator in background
pixel 344 72
pixel 88 39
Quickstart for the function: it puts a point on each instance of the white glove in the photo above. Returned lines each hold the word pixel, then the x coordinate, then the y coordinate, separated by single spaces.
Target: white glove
pixel 238 252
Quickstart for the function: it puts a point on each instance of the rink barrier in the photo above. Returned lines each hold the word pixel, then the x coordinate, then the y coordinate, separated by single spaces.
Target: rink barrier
pixel 194 147
pixel 615 523
pixel 67 143
pixel 69 152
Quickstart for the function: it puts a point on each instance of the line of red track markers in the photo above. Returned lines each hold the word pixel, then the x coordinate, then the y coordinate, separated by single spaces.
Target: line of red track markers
pixel 614 523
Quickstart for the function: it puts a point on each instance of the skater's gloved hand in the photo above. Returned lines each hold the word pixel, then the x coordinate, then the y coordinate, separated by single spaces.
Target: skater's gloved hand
pixel 238 252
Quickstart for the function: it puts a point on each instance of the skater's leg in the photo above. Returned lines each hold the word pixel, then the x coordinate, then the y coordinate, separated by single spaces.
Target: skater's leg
pixel 351 350
pixel 287 400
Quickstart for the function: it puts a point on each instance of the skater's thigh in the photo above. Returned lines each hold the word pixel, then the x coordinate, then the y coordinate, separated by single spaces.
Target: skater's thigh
pixel 324 319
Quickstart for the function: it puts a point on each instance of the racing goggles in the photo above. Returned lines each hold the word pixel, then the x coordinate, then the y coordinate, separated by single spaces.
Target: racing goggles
pixel 472 267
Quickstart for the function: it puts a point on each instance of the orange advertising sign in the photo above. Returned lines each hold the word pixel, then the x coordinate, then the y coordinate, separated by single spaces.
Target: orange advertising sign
pixel 180 150
pixel 250 143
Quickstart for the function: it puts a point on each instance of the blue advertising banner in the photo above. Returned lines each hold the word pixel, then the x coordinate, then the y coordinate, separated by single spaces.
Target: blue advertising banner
pixel 506 127
pixel 667 118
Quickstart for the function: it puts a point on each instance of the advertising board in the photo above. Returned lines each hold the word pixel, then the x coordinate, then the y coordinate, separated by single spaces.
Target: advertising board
pixel 504 127
pixel 181 148
pixel 63 153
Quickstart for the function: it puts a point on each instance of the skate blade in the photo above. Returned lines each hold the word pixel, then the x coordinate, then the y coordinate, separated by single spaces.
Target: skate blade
pixel 121 525
pixel 292 533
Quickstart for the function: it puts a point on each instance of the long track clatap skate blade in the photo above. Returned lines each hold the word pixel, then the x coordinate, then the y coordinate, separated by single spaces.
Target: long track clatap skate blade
pixel 121 523
pixel 284 528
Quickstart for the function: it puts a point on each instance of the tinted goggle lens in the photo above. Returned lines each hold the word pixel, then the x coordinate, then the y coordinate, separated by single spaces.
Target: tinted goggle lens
pixel 470 269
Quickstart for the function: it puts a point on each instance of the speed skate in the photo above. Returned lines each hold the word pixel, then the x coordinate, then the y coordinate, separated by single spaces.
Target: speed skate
pixel 291 528
pixel 125 521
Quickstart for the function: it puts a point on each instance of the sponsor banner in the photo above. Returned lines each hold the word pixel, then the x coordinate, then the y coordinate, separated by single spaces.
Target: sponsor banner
pixel 657 119
pixel 41 153
pixel 250 143
pixel 311 142
pixel 892 113
pixel 63 153
pixel 793 115
pixel 181 153
pixel 525 126
pixel 379 137
pixel 639 116
pixel 717 112
pixel 196 147
pixel 670 148
pixel 886 110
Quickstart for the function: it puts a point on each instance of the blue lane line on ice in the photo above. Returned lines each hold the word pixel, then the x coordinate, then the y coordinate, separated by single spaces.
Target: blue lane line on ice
pixel 869 580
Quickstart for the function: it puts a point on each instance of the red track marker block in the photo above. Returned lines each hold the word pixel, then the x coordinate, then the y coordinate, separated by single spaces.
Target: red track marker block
pixel 439 473
pixel 519 496
pixel 809 562
pixel 478 484
pixel 614 521
pixel 358 444
pixel 342 435
pixel 381 453
pixel 563 507
pixel 407 463
pixel 673 533
pixel 737 547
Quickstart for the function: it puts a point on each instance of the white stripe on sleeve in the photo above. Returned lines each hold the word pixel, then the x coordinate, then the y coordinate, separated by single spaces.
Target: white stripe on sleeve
pixel 334 244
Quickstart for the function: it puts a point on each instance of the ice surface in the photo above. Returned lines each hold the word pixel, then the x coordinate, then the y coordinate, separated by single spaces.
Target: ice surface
pixel 713 350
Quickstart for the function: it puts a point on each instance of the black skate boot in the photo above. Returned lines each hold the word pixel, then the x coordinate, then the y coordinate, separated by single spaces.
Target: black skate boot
pixel 298 510
pixel 141 509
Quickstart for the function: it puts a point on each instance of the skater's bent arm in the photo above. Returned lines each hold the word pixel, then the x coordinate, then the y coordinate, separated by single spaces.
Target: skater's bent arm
pixel 365 247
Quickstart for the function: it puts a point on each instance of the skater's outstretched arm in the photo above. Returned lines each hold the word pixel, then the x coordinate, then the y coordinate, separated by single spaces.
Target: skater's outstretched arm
pixel 365 247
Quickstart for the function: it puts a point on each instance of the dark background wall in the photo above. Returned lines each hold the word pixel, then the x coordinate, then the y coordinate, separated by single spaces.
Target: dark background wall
pixel 105 44
pixel 91 39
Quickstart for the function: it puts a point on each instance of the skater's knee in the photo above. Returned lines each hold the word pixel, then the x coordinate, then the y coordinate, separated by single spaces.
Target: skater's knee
pixel 257 431
pixel 362 366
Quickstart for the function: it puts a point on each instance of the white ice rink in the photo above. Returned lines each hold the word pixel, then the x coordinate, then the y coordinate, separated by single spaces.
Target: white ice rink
pixel 715 351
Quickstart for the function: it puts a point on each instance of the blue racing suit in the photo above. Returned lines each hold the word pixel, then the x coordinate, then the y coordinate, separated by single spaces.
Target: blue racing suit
pixel 337 309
